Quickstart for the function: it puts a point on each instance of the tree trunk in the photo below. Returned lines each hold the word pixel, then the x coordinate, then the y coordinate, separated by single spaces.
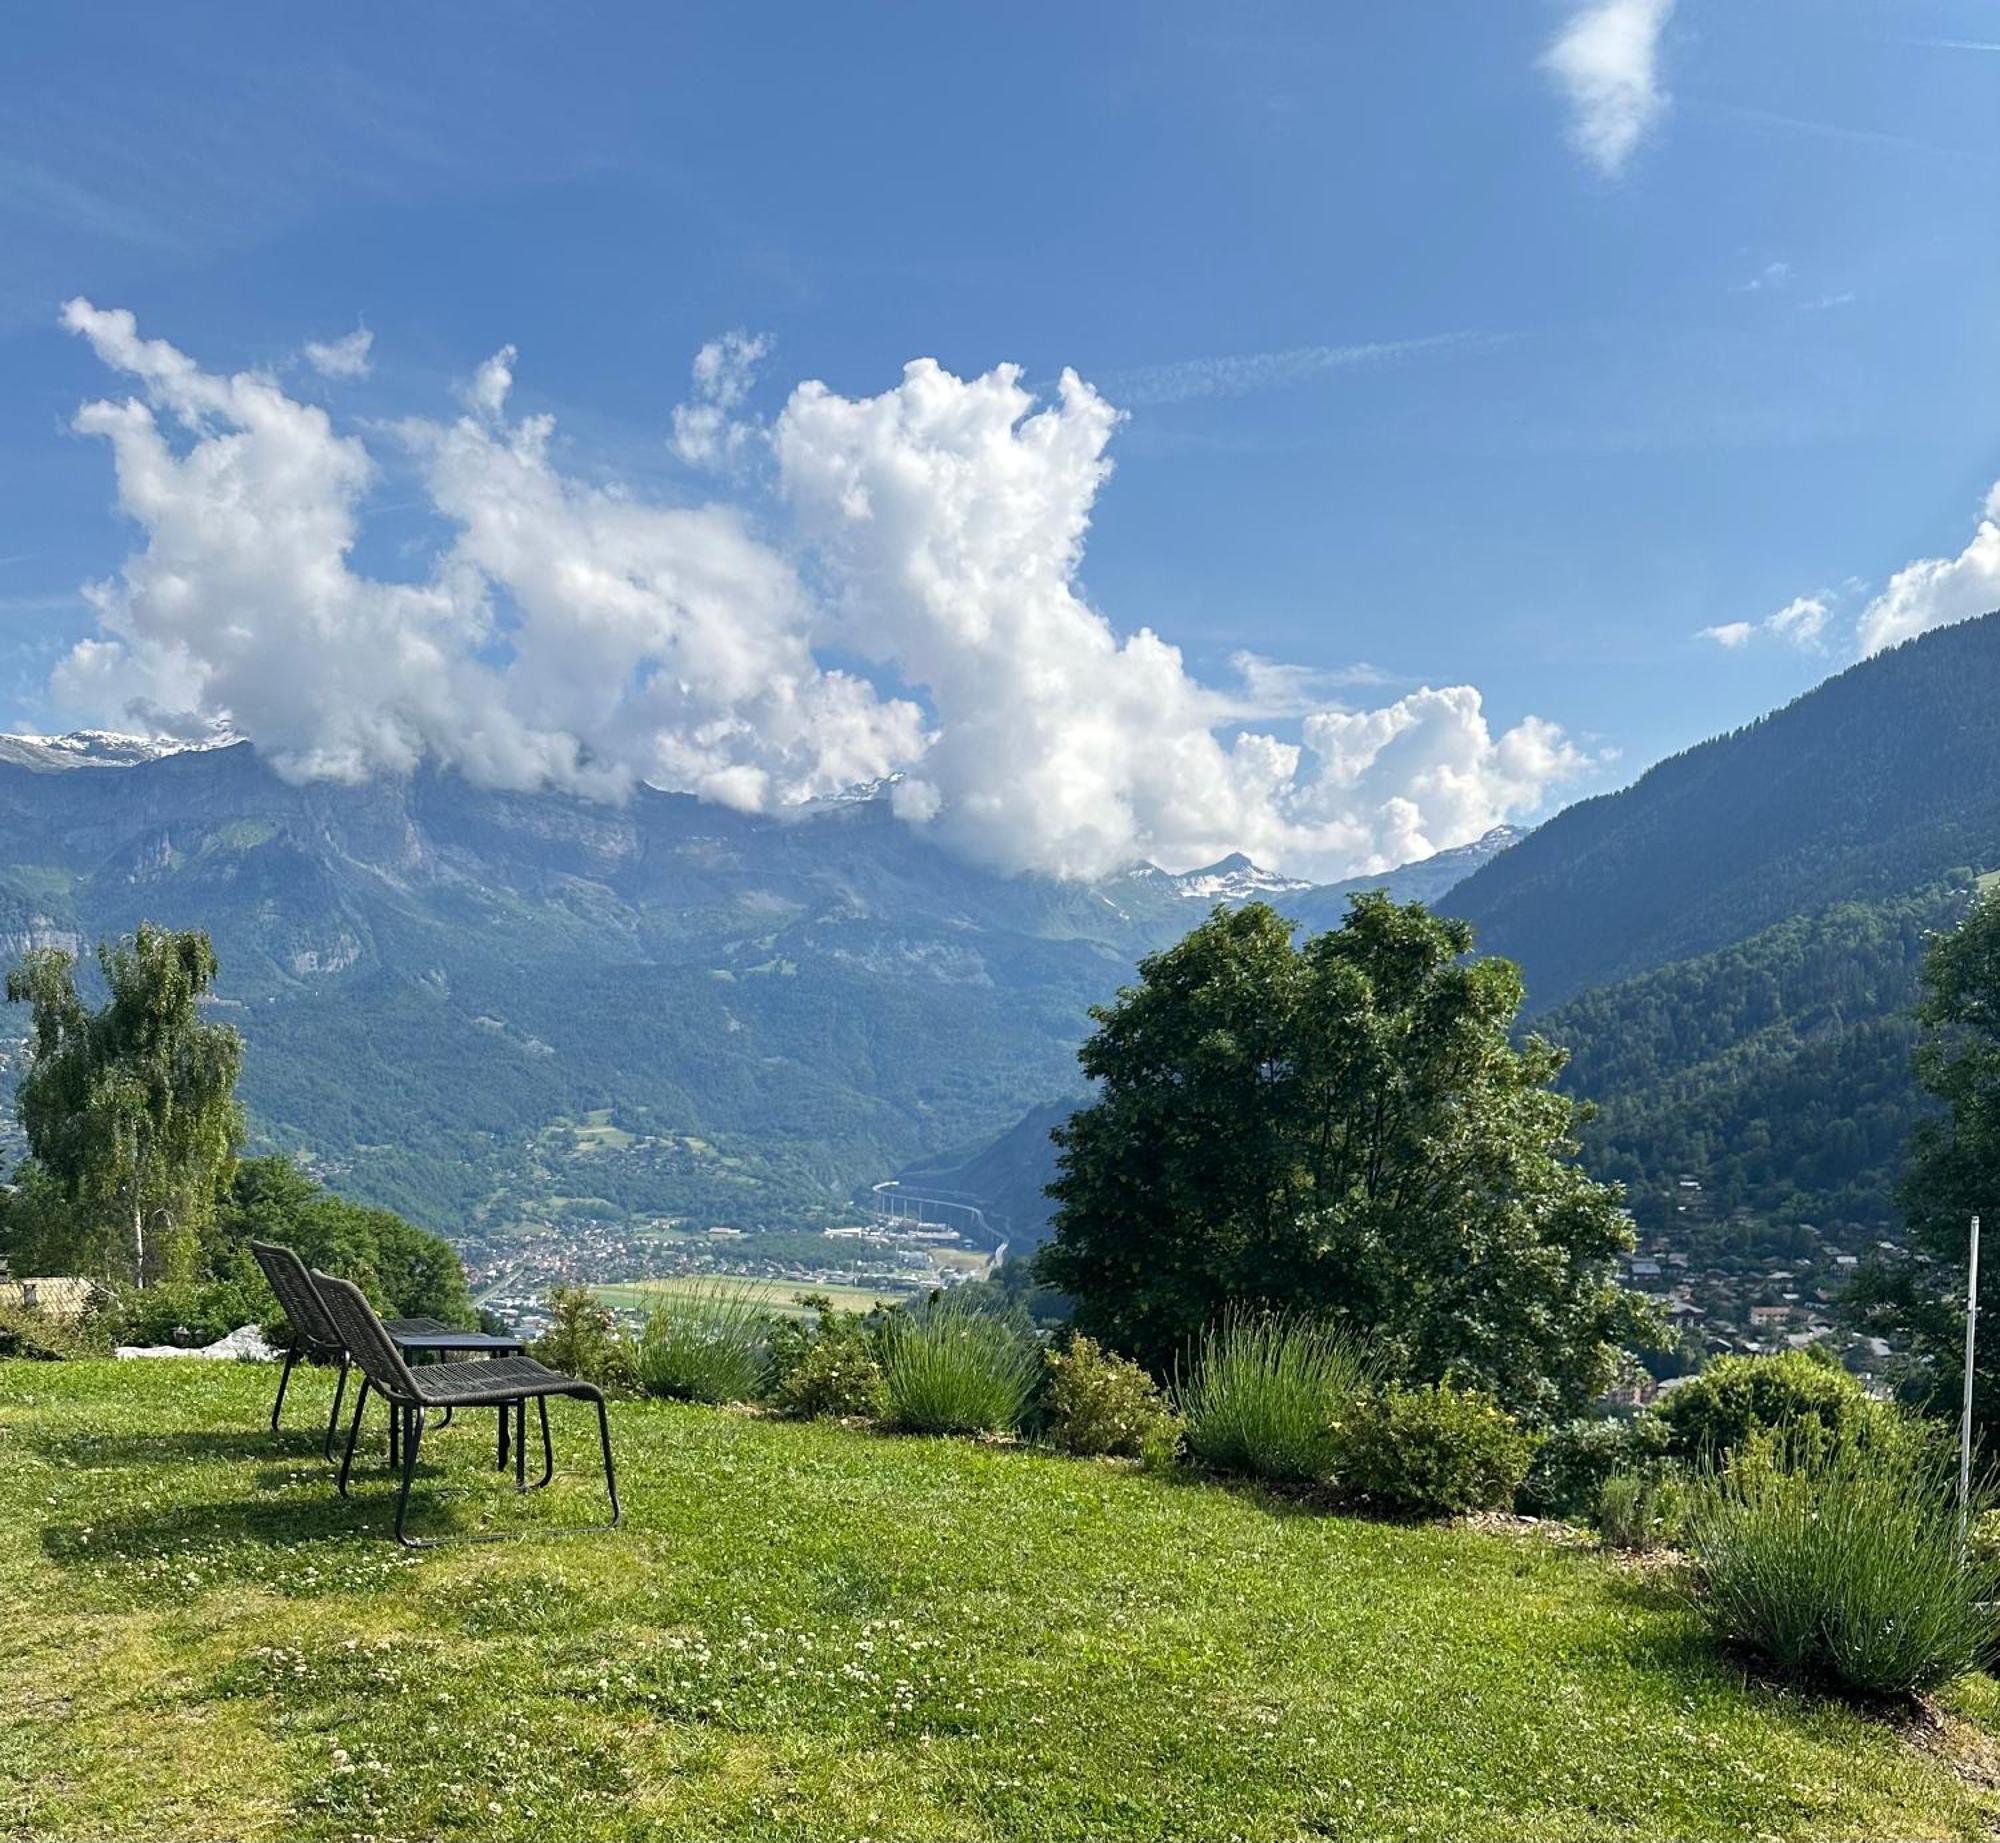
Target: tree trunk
pixel 139 1240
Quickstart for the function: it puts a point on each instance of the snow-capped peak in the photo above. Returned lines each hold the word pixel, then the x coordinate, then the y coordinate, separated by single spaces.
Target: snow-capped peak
pixel 1233 879
pixel 103 748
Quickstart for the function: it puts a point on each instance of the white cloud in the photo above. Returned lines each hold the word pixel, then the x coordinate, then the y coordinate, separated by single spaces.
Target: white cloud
pixel 1772 275
pixel 1606 61
pixel 1244 373
pixel 706 433
pixel 346 357
pixel 569 637
pixel 573 634
pixel 949 518
pixel 1800 623
pixel 1939 590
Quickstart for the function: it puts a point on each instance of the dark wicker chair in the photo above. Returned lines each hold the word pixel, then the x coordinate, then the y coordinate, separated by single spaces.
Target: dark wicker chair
pixel 313 1334
pixel 412 1393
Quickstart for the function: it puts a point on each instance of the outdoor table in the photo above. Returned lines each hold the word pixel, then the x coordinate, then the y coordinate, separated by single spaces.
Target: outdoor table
pixel 429 1340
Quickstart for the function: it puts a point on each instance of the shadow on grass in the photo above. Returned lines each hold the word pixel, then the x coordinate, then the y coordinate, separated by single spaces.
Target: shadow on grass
pixel 102 1452
pixel 259 1521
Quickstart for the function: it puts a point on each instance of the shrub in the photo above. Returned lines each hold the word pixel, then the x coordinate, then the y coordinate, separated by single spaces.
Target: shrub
pixel 1099 1402
pixel 1715 1413
pixel 710 1344
pixel 1638 1511
pixel 1269 1396
pixel 1576 1458
pixel 189 1313
pixel 583 1340
pixel 1437 1451
pixel 1839 1562
pixel 43 1337
pixel 839 1377
pixel 952 1370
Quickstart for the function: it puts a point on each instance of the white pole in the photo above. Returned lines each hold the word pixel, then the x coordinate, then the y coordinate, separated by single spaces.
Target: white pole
pixel 1965 1418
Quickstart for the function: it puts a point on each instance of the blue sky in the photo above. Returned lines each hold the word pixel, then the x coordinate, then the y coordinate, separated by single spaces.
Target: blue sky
pixel 1412 377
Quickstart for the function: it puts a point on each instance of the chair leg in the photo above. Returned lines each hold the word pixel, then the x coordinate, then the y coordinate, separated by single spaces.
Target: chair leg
pixel 353 1433
pixel 500 1443
pixel 333 1419
pixel 284 1376
pixel 521 1445
pixel 548 1448
pixel 610 1476
pixel 413 1438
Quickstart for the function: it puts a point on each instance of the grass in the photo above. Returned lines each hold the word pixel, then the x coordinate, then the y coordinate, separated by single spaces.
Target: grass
pixel 949 1370
pixel 806 1632
pixel 1845 1565
pixel 713 1346
pixel 1267 1397
pixel 774 1295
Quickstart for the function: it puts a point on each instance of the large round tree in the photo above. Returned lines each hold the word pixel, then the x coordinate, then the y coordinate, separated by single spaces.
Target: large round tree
pixel 1344 1127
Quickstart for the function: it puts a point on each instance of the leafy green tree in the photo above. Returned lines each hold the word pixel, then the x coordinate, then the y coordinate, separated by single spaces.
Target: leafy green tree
pixel 406 1270
pixel 1917 1297
pixel 1343 1128
pixel 130 1109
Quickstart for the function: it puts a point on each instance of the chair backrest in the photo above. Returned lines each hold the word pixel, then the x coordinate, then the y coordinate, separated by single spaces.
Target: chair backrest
pixel 369 1344
pixel 304 1310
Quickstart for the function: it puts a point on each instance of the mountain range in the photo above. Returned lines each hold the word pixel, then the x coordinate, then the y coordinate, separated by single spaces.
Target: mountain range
pixel 486 1008
pixel 482 1008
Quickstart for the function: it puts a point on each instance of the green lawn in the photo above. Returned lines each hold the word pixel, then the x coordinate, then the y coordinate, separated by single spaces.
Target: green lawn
pixel 815 1633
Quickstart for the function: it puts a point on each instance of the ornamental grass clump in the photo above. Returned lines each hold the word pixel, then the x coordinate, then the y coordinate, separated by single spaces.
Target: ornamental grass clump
pixel 711 1344
pixel 951 1369
pixel 1270 1395
pixel 1840 1563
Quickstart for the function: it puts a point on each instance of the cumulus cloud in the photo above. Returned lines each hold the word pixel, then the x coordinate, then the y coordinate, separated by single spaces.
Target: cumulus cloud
pixel 1800 623
pixel 707 432
pixel 568 637
pixel 1936 591
pixel 1605 60
pixel 948 517
pixel 570 634
pixel 346 357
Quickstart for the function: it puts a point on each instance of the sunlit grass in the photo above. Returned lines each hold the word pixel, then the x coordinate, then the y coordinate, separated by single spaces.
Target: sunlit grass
pixel 809 1632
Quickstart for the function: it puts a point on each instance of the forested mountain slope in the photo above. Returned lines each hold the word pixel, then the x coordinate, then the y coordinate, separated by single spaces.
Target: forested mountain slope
pixel 1775 1071
pixel 1874 784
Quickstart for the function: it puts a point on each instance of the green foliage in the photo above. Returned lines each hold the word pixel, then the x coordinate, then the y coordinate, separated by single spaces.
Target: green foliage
pixel 1714 1414
pixel 1344 1128
pixel 1097 1402
pixel 129 1109
pixel 1436 1451
pixel 829 1368
pixel 1839 1562
pixel 406 1271
pixel 840 1377
pixel 711 1344
pixel 951 1369
pixel 1574 1459
pixel 189 1313
pixel 1273 1396
pixel 46 1337
pixel 1776 1070
pixel 1639 1511
pixel 1917 1299
pixel 583 1340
